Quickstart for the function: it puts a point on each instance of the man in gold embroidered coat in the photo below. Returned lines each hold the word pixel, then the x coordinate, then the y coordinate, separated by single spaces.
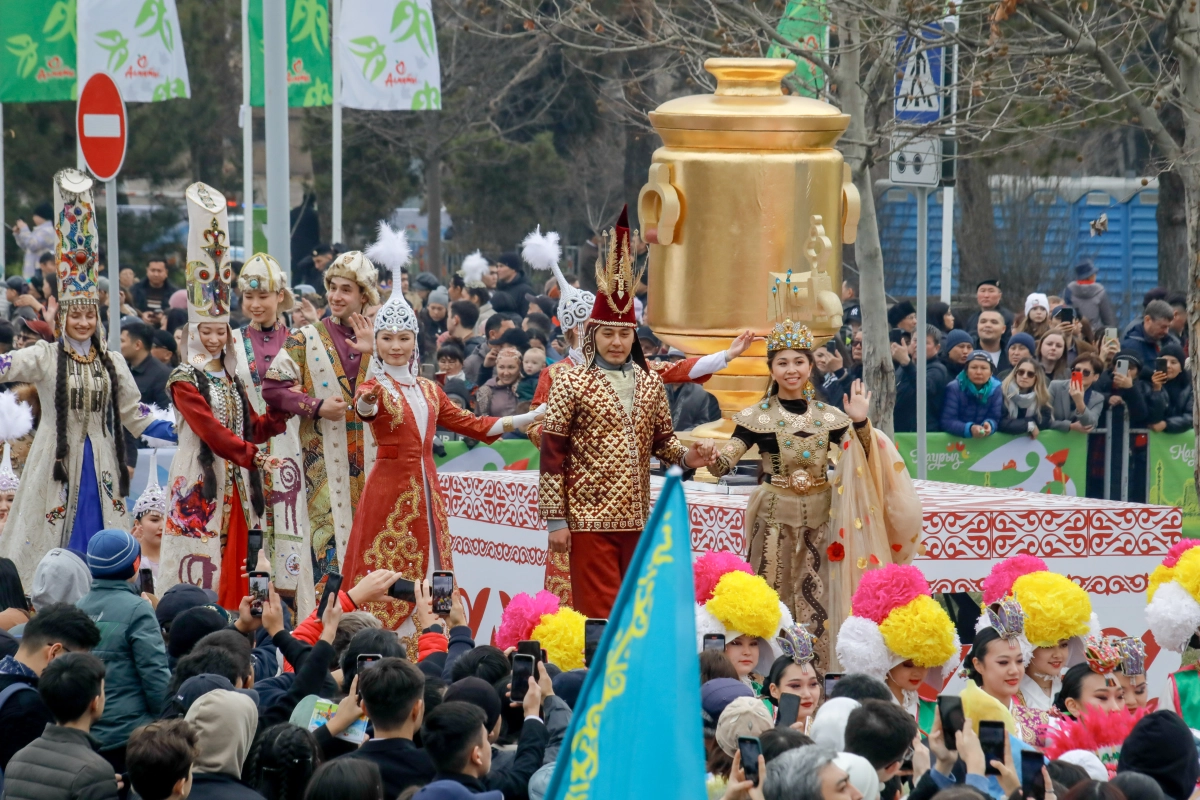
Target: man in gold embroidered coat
pixel 604 421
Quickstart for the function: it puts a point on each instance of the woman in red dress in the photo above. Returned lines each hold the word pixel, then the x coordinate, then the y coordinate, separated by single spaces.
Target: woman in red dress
pixel 400 523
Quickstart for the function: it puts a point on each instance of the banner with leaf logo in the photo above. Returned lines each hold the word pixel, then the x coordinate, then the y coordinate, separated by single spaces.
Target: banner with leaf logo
pixel 138 43
pixel 310 66
pixel 1172 464
pixel 1053 463
pixel 389 56
pixel 37 63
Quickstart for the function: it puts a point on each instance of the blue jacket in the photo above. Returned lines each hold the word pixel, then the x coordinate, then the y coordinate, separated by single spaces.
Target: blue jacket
pixel 131 647
pixel 960 412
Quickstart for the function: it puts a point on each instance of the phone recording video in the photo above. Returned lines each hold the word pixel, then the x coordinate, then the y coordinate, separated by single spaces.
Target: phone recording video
pixel 442 589
pixel 831 679
pixel 1160 365
pixel 751 749
pixel 146 580
pixel 714 641
pixel 333 585
pixel 259 590
pixel 522 671
pixel 951 711
pixel 254 542
pixel 530 647
pixel 367 660
pixel 593 629
pixel 1033 782
pixel 403 589
pixel 789 710
pixel 991 738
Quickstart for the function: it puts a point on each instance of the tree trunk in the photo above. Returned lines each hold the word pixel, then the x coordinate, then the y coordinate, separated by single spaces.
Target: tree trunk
pixel 433 206
pixel 976 228
pixel 1172 218
pixel 879 374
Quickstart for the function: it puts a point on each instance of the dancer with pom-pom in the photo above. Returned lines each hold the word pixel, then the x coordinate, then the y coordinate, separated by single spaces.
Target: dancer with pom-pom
pixel 400 524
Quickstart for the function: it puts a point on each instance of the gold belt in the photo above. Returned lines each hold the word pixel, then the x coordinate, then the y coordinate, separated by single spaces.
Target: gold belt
pixel 800 483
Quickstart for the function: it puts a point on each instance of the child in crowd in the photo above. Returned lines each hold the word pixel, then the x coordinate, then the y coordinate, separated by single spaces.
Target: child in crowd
pixel 160 758
pixel 149 513
pixel 532 364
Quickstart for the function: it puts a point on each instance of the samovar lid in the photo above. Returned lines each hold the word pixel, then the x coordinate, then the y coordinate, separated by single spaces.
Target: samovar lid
pixel 749 97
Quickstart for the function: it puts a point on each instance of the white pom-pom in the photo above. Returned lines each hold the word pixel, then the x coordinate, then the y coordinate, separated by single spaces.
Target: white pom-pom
pixel 541 251
pixel 860 648
pixel 390 251
pixel 16 418
pixel 473 268
pixel 1173 616
pixel 167 415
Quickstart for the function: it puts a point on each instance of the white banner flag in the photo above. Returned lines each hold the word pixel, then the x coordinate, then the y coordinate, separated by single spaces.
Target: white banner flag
pixel 389 56
pixel 138 43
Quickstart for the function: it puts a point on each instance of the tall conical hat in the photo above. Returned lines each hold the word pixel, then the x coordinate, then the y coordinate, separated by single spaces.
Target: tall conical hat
pixel 16 420
pixel 153 497
pixel 209 274
pixel 78 240
pixel 616 277
pixel 390 251
pixel 542 252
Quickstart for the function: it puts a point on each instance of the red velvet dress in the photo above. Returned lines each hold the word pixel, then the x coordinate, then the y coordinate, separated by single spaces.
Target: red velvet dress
pixel 403 508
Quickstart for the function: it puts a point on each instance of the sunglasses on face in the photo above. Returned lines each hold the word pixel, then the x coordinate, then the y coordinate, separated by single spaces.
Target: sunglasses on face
pixel 1026 373
pixel 1087 373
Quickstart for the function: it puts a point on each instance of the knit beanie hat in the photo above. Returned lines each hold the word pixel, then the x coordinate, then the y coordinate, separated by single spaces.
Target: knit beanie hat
pixel 1161 746
pixel 718 693
pixel 1024 339
pixel 956 337
pixel 112 554
pixel 190 627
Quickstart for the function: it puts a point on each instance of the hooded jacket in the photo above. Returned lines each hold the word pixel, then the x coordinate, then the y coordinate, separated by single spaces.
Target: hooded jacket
pixel 225 723
pixel 1091 302
pixel 60 577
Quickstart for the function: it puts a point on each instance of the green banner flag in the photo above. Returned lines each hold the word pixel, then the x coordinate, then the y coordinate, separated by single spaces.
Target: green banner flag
pixel 1053 463
pixel 310 67
pixel 805 24
pixel 1172 466
pixel 504 454
pixel 37 64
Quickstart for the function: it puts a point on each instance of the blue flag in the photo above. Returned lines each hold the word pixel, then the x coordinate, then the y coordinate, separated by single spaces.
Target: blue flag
pixel 637 730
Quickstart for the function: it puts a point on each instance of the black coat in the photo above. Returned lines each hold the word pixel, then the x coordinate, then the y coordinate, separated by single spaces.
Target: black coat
pixel 219 786
pixel 22 718
pixel 691 406
pixel 515 290
pixel 1177 410
pixel 401 763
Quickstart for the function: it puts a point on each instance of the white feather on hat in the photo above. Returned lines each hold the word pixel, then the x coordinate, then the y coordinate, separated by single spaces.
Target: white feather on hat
pixel 1173 616
pixel 16 420
pixel 542 252
pixel 473 268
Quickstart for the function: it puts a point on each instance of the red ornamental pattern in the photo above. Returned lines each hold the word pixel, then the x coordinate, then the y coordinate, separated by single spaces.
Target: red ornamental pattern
pixel 498 551
pixel 1093 584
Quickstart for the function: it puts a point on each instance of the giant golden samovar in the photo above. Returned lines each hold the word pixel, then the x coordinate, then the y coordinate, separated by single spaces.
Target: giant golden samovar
pixel 747 184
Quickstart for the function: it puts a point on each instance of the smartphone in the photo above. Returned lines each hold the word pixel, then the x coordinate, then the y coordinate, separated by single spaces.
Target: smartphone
pixel 751 749
pixel 1033 783
pixel 521 673
pixel 253 544
pixel 1077 380
pixel 530 647
pixel 593 629
pixel 29 604
pixel 442 589
pixel 789 709
pixel 991 739
pixel 146 580
pixel 831 679
pixel 403 589
pixel 1122 367
pixel 951 711
pixel 367 659
pixel 714 641
pixel 259 587
pixel 333 585
pixel 1065 314
pixel 1160 365
pixel 1110 333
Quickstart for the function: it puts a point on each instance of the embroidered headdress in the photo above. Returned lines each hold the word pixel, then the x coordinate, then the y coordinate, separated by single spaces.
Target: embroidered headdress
pixel 16 420
pixel 616 277
pixel 1103 658
pixel 542 252
pixel 797 644
pixel 77 241
pixel 153 497
pixel 1133 655
pixel 262 272
pixel 390 251
pixel 473 268
pixel 354 266
pixel 209 274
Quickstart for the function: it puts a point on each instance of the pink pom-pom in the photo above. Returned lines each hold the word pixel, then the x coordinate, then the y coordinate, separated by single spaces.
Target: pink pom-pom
pixel 880 591
pixel 998 584
pixel 522 614
pixel 708 569
pixel 1177 550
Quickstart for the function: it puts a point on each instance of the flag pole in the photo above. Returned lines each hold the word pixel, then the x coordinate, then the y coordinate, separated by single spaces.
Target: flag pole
pixel 275 110
pixel 247 120
pixel 337 126
pixel 114 266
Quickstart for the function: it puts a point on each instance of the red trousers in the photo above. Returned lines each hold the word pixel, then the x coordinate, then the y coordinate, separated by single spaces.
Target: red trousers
pixel 598 565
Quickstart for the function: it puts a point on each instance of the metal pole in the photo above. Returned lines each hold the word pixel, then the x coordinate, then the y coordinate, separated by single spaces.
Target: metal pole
pixel 922 302
pixel 247 120
pixel 1125 454
pixel 947 244
pixel 275 108
pixel 1108 444
pixel 336 235
pixel 114 267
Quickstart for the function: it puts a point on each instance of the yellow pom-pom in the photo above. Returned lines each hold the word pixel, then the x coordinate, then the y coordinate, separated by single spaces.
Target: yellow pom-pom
pixel 561 634
pixel 1187 572
pixel 921 632
pixel 746 604
pixel 1055 608
pixel 1160 576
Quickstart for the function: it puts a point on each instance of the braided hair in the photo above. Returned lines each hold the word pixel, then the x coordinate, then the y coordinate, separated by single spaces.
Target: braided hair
pixel 206 458
pixel 281 761
pixel 113 423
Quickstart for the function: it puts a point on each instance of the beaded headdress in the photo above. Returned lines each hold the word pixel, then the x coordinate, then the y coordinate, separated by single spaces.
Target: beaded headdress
pixel 1103 658
pixel 262 272
pixel 391 252
pixel 1133 655
pixel 1007 617
pixel 209 275
pixel 788 335
pixel 542 252
pixel 797 644
pixel 153 497
pixel 77 239
pixel 16 420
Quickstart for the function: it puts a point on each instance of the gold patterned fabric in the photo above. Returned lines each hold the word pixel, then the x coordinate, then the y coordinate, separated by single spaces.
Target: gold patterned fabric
pixel 595 464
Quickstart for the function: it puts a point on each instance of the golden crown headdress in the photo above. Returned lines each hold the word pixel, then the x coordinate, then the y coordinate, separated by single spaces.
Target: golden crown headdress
pixel 788 335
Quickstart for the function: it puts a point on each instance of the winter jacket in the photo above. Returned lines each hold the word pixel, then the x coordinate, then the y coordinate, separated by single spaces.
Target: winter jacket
pixel 904 417
pixel 1090 301
pixel 24 715
pixel 960 412
pixel 131 647
pixel 142 292
pixel 1015 420
pixel 61 764
pixel 34 241
pixel 936 378
pixel 558 718
pixel 1173 404
pixel 515 290
pixel 1063 406
pixel 1146 348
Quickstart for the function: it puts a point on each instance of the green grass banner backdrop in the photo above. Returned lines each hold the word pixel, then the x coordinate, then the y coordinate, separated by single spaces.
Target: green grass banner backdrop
pixel 504 454
pixel 1053 463
pixel 1173 476
pixel 38 60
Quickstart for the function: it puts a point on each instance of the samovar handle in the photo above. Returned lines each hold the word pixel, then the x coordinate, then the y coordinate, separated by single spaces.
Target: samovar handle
pixel 851 206
pixel 659 207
